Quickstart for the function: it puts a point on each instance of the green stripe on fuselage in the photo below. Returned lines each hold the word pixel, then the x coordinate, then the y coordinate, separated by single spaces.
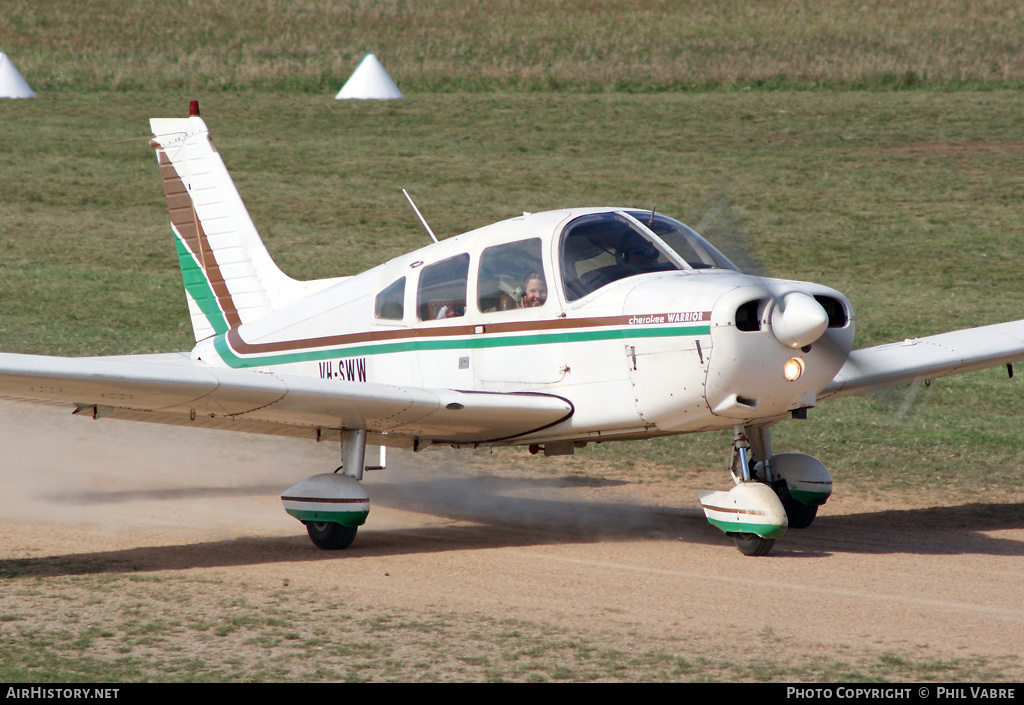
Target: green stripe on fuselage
pixel 198 287
pixel 468 343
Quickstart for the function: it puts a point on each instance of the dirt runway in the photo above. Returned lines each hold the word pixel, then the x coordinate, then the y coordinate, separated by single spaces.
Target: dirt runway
pixel 594 556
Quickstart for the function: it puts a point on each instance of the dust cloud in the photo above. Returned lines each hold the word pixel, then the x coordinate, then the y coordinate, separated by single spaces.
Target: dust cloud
pixel 127 476
pixel 64 469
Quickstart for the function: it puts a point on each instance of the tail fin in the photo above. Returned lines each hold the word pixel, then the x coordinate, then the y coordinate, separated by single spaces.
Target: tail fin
pixel 229 276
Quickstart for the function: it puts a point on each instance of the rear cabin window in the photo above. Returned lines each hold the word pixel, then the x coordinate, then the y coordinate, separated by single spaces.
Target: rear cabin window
pixel 442 289
pixel 511 277
pixel 390 303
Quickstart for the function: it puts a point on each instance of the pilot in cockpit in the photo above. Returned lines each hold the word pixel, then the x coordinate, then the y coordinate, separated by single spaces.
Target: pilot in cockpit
pixel 636 251
pixel 534 291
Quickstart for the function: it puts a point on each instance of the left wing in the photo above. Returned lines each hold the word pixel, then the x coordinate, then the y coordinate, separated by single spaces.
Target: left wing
pixel 175 389
pixel 927 358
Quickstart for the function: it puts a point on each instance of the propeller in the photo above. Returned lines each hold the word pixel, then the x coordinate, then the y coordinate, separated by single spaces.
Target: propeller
pixel 796 319
pixel 722 228
pixel 792 322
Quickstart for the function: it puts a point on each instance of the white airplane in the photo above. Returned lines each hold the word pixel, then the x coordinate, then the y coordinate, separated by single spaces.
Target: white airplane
pixel 550 330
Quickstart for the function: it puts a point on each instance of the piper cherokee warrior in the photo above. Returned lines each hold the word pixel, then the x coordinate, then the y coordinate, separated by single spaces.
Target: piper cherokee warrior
pixel 634 327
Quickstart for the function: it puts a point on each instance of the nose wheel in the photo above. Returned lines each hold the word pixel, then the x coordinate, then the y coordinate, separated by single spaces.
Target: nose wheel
pixel 800 515
pixel 752 544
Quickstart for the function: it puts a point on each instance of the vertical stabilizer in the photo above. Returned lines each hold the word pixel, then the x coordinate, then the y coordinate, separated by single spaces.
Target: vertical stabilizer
pixel 229 276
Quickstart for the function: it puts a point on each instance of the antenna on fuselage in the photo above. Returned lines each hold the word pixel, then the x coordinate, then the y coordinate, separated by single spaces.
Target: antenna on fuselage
pixel 420 216
pixel 651 221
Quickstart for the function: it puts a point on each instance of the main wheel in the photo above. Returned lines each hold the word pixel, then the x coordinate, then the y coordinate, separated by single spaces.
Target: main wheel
pixel 800 515
pixel 752 544
pixel 330 536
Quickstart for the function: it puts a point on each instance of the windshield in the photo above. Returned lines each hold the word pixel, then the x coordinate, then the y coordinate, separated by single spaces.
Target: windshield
pixel 599 249
pixel 691 247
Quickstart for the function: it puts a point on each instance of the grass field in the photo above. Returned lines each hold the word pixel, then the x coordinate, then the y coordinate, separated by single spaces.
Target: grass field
pixel 138 628
pixel 871 147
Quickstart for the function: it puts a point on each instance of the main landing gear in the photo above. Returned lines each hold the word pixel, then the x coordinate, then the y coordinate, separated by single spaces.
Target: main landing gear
pixel 329 535
pixel 333 506
pixel 772 493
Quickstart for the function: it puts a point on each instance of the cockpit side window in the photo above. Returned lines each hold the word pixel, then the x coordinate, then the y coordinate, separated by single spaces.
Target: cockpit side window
pixel 390 303
pixel 442 289
pixel 511 277
pixel 599 249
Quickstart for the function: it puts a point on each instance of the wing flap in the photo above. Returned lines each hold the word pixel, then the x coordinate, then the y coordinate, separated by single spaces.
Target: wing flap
pixel 176 389
pixel 927 358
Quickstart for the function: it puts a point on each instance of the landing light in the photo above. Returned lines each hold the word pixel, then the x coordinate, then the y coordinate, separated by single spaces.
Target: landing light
pixel 793 368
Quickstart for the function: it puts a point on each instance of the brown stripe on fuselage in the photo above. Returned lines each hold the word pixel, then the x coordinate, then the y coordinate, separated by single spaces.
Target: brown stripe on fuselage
pixel 240 346
pixel 186 221
pixel 325 500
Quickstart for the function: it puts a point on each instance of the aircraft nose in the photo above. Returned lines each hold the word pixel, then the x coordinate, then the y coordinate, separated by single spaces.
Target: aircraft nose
pixel 798 320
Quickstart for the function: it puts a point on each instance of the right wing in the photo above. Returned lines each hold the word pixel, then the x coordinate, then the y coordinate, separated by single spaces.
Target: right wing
pixel 175 389
pixel 918 359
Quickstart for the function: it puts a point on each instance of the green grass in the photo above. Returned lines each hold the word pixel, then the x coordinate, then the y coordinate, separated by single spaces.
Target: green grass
pixel 906 202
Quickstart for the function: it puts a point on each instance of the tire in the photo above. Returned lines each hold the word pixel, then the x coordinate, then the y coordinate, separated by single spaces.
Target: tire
pixel 752 544
pixel 330 536
pixel 800 515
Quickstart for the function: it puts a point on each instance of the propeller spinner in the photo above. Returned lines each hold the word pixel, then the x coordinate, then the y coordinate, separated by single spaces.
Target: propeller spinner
pixel 798 320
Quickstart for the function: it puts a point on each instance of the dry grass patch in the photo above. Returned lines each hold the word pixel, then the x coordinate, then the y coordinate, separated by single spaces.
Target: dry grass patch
pixel 520 45
pixel 159 628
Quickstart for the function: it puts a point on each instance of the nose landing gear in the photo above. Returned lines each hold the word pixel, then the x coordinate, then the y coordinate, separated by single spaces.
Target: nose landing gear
pixel 772 493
